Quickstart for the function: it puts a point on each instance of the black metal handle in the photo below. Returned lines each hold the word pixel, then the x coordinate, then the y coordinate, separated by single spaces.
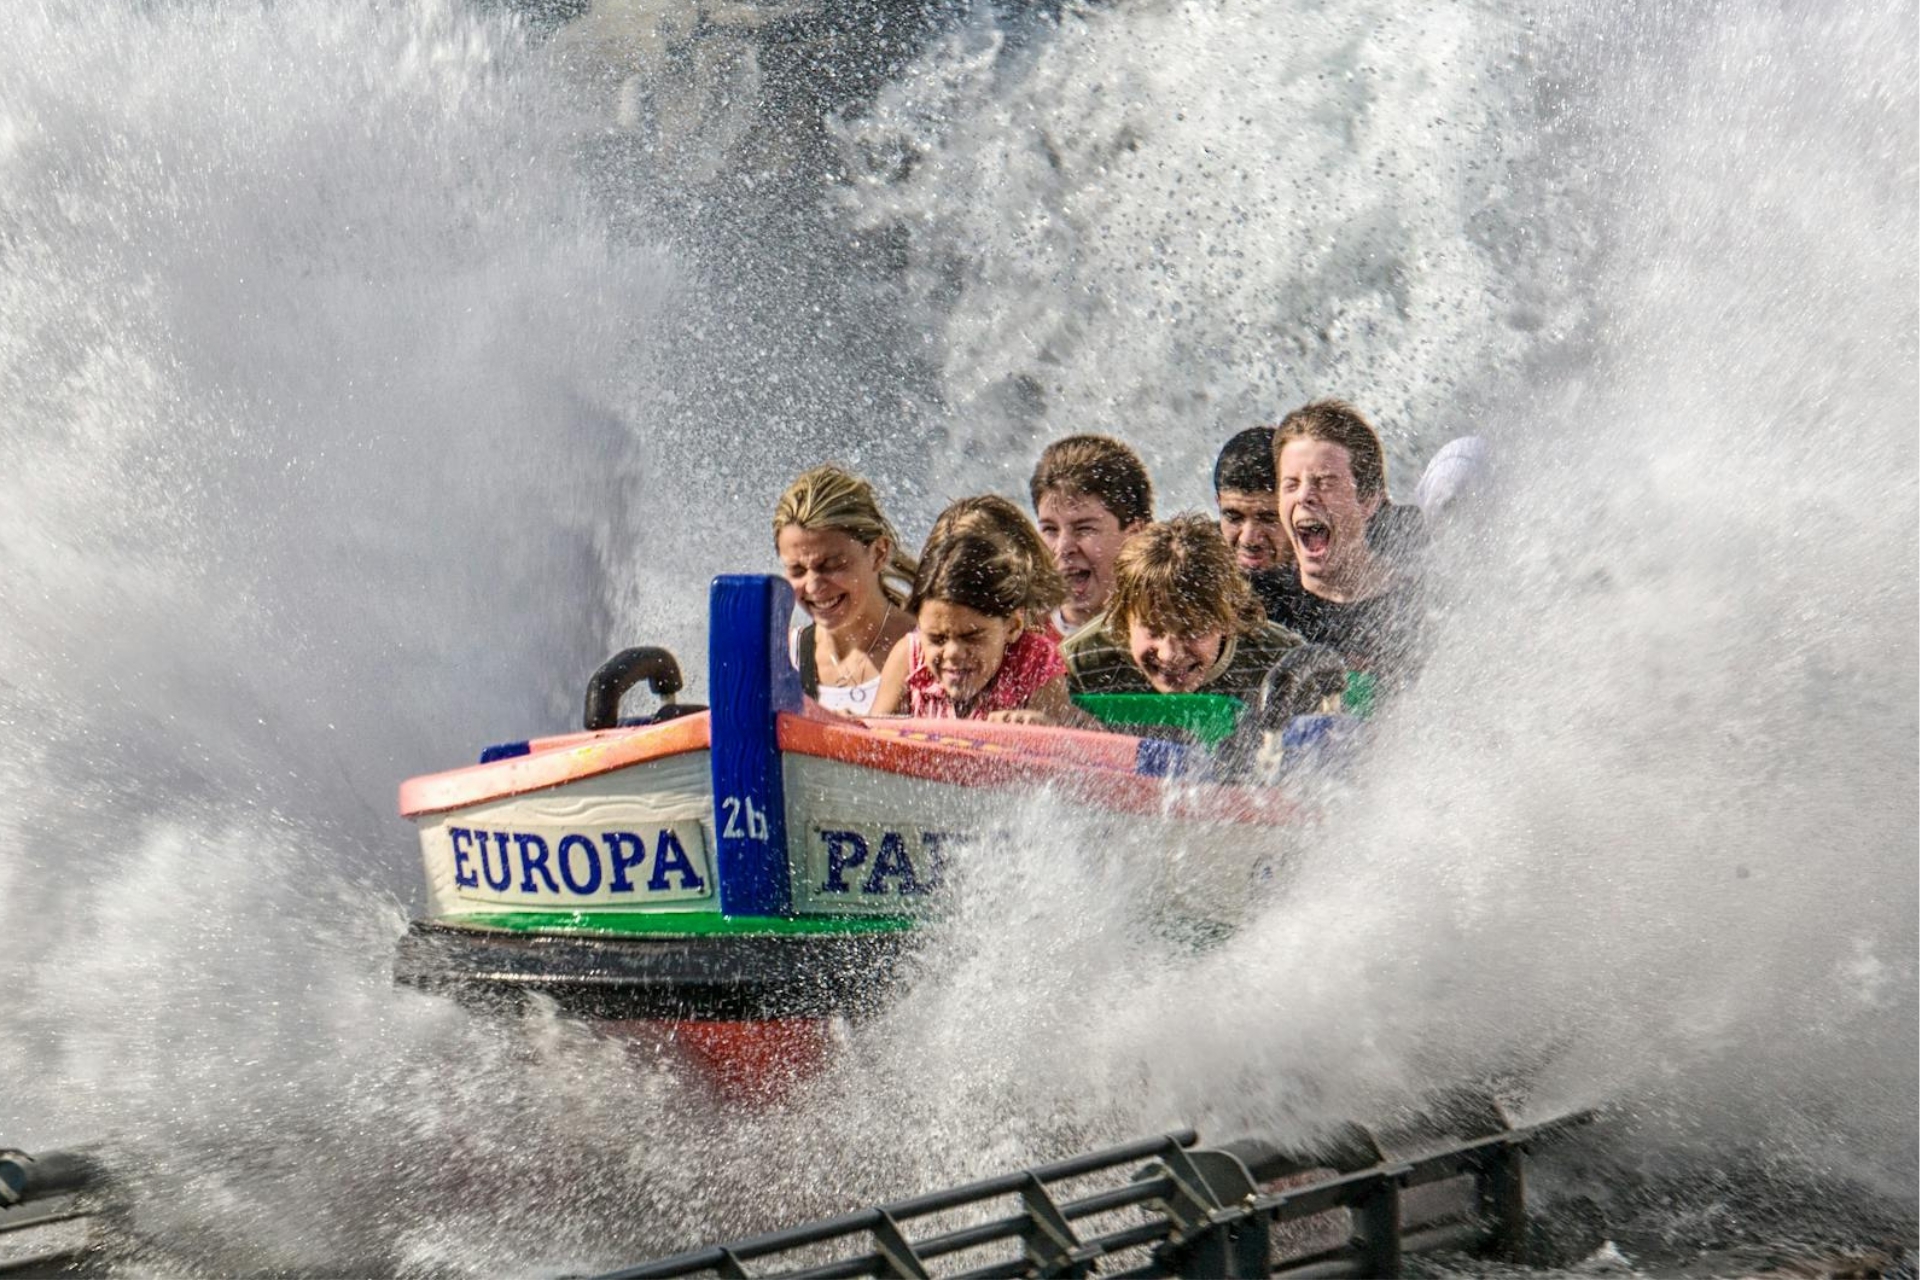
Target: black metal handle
pixel 620 673
pixel 1298 683
pixel 24 1178
pixel 1295 685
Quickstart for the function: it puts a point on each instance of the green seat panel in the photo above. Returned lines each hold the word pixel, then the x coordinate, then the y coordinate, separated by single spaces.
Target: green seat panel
pixel 1209 717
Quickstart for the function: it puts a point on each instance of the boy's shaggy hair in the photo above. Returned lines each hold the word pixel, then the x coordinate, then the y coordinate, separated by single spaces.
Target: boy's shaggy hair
pixel 1178 578
pixel 1337 422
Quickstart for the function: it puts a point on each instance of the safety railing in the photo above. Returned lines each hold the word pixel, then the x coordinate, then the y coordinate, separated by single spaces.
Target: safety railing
pixel 47 1210
pixel 1248 1208
pixel 1163 1206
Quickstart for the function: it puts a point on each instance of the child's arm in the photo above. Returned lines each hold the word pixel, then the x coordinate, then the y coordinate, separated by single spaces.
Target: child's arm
pixel 1050 704
pixel 891 698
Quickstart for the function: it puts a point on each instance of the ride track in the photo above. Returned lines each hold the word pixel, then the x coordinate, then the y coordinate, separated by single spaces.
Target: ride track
pixel 1355 1205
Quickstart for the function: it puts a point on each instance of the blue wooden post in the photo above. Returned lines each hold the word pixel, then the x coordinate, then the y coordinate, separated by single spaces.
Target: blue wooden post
pixel 750 681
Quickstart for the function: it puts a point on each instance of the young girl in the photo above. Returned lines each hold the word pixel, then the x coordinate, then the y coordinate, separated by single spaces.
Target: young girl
pixel 839 552
pixel 973 656
pixel 993 515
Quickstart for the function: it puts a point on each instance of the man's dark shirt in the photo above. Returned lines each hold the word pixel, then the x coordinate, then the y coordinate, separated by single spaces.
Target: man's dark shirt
pixel 1376 635
pixel 1398 532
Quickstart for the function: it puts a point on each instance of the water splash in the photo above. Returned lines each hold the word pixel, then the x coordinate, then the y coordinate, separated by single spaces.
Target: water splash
pixel 348 359
pixel 1645 832
pixel 343 375
pixel 1181 221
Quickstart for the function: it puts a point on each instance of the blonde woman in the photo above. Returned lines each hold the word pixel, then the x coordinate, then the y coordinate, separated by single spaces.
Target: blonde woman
pixel 843 560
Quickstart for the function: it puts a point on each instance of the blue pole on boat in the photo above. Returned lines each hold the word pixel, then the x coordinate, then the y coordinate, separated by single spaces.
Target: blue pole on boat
pixel 749 683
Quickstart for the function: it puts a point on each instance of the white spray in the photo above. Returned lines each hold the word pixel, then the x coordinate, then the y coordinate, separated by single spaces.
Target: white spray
pixel 336 411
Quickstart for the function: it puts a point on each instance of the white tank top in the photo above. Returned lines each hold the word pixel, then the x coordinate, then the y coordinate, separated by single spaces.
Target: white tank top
pixel 857 700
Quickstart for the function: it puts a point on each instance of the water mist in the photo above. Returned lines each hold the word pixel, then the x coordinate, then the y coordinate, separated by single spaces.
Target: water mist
pixel 361 385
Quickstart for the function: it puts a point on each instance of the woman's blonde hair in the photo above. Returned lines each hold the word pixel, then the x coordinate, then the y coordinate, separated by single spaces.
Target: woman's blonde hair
pixel 993 515
pixel 1178 578
pixel 827 499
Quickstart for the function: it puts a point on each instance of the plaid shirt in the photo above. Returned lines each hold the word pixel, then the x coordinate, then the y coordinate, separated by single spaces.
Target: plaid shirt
pixel 1097 663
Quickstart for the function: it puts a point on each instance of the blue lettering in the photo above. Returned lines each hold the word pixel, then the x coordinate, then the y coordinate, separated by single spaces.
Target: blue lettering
pixel 933 847
pixel 670 857
pixel 844 849
pixel 567 845
pixel 463 872
pixel 530 862
pixel 486 863
pixel 621 862
pixel 892 860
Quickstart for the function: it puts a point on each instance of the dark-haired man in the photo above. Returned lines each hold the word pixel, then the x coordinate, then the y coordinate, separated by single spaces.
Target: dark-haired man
pixel 1339 591
pixel 1247 494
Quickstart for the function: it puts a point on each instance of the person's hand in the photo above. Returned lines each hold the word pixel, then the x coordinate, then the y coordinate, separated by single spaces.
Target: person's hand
pixel 1020 715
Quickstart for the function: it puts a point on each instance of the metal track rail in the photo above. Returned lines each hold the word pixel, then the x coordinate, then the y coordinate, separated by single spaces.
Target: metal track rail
pixel 47 1210
pixel 1182 1211
pixel 1160 1206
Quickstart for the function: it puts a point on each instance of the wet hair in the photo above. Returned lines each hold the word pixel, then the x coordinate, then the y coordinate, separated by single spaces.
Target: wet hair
pixel 1337 422
pixel 993 515
pixel 1097 467
pixel 1246 462
pixel 827 499
pixel 979 571
pixel 1178 577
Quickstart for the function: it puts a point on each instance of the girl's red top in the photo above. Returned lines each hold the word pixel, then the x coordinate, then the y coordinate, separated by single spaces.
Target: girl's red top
pixel 1030 662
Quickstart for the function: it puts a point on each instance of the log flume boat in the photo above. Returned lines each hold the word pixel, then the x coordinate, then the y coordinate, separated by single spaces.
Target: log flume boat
pixel 737 876
pixel 734 878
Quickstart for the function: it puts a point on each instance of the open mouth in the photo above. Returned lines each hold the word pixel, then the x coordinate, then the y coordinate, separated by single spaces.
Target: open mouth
pixel 1177 675
pixel 1078 580
pixel 1314 536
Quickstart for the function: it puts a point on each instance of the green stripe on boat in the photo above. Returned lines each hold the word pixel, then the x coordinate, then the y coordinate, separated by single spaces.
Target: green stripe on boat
pixel 685 924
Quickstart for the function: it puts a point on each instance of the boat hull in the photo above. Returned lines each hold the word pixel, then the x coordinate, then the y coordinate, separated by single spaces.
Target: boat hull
pixel 608 977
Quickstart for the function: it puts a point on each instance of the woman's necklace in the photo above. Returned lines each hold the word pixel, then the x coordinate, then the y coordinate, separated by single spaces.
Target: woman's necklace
pixel 844 669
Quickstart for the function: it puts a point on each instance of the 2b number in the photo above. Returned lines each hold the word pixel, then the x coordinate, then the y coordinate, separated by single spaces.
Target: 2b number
pixel 745 819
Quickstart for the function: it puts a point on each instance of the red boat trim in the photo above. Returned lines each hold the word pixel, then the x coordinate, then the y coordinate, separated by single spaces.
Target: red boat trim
pixel 1087 768
pixel 553 761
